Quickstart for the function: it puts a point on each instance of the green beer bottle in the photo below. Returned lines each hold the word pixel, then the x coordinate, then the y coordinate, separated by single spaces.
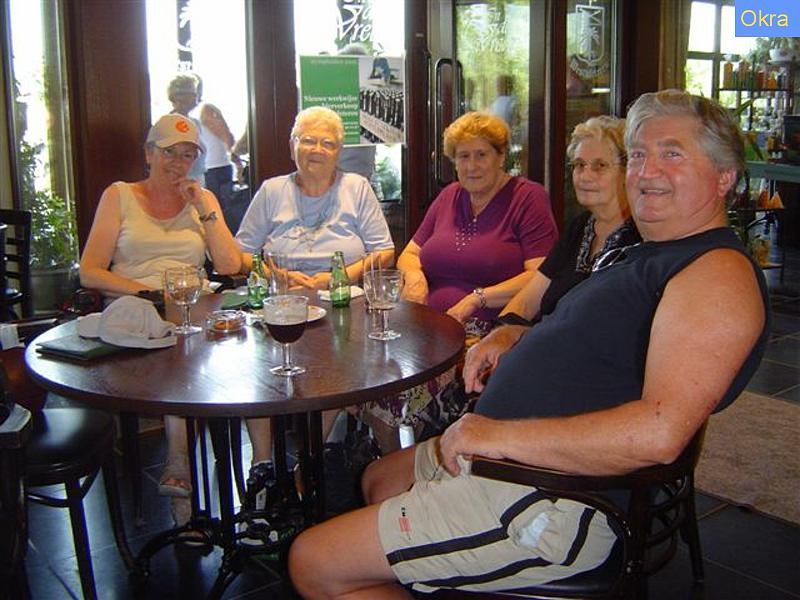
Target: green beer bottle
pixel 340 284
pixel 257 284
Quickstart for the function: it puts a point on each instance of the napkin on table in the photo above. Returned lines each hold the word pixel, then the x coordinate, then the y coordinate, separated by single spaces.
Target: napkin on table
pixel 131 322
pixel 355 292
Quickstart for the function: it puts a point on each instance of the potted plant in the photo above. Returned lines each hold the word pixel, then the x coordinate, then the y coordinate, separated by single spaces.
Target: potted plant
pixel 759 53
pixel 782 49
pixel 54 268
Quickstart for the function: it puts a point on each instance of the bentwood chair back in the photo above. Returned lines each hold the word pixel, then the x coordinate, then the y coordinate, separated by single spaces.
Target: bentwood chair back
pixel 660 508
pixel 17 250
pixel 70 447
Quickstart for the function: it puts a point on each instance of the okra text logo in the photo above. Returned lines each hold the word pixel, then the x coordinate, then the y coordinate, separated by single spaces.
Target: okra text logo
pixel 767 18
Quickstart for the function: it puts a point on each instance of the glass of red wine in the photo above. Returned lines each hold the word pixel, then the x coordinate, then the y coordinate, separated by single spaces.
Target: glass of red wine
pixel 286 318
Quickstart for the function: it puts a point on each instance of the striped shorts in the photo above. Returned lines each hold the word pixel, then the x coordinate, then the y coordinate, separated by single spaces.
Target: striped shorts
pixel 478 534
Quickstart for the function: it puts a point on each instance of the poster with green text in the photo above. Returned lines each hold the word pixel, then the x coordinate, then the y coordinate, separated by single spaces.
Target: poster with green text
pixel 366 91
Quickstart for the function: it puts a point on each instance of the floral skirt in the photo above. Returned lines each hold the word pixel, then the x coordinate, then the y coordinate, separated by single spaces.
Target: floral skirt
pixel 428 408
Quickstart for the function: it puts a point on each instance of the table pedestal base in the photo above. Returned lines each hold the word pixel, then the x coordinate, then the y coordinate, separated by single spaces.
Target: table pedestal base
pixel 287 515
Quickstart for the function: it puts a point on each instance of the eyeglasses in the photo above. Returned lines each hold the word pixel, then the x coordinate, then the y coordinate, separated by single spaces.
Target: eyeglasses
pixel 311 142
pixel 597 166
pixel 171 153
pixel 611 257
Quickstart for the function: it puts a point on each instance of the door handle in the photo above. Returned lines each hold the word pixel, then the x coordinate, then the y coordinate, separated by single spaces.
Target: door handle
pixel 438 120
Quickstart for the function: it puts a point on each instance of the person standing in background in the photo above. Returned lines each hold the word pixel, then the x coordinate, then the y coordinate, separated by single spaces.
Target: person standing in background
pixel 184 92
pixel 218 140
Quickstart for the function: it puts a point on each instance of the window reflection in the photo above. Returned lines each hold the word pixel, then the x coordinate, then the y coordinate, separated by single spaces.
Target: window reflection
pixel 492 43
pixel 590 73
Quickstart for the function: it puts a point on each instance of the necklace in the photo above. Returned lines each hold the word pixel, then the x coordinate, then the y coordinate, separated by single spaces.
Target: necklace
pixel 469 224
pixel 312 223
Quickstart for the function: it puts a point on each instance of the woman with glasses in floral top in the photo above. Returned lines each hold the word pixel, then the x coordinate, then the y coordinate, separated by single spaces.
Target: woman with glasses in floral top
pixel 596 153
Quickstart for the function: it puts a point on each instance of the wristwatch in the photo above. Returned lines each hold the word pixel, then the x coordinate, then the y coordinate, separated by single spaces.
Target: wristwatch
pixel 478 291
pixel 212 216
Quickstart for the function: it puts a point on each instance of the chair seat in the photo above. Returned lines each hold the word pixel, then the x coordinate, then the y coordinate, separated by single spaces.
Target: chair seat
pixel 598 582
pixel 67 443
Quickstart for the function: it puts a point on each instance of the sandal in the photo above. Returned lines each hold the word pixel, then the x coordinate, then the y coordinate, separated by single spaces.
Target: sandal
pixel 181 509
pixel 175 480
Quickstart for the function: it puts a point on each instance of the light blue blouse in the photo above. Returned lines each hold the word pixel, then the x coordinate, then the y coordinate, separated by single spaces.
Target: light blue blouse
pixel 347 217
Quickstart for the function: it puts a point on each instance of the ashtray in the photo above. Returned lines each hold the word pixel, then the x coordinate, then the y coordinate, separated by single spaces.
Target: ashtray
pixel 225 321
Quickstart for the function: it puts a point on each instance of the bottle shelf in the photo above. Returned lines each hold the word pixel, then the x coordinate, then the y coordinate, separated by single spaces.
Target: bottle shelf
pixel 747 90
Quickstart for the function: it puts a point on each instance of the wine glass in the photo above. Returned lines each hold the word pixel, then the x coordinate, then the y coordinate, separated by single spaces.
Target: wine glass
pixel 286 318
pixel 382 289
pixel 183 285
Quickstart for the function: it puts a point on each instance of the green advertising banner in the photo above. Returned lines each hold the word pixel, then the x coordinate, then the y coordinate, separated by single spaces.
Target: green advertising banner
pixel 332 81
pixel 367 92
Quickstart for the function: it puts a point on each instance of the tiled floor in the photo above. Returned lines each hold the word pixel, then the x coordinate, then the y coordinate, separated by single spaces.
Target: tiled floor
pixel 747 556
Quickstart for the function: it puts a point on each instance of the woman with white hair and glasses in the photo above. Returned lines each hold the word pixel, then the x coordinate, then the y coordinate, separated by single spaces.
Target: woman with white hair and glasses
pixel 596 152
pixel 310 214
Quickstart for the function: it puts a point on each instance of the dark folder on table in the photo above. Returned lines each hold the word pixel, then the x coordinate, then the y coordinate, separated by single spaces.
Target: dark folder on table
pixel 76 347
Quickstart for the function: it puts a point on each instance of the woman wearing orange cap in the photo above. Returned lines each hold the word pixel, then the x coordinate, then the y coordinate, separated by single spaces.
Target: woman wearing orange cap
pixel 142 228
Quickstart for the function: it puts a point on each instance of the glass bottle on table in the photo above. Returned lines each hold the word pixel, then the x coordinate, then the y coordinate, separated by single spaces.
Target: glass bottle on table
pixel 257 283
pixel 339 285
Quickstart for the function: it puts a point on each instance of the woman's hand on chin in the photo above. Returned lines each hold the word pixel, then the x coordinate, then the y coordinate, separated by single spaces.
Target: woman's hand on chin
pixel 191 192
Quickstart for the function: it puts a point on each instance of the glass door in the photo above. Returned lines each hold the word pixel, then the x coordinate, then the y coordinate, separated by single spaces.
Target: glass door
pixel 483 59
pixel 492 60
pixel 542 66
pixel 591 73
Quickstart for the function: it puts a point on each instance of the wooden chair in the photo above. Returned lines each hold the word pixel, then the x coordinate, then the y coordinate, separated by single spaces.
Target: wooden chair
pixel 70 446
pixel 15 430
pixel 17 264
pixel 661 507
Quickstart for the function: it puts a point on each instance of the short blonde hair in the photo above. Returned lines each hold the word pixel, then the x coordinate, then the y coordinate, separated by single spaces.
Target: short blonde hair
pixel 604 129
pixel 318 115
pixel 473 125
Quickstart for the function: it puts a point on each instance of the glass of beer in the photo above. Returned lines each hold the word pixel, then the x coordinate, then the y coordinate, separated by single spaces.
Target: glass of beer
pixel 286 318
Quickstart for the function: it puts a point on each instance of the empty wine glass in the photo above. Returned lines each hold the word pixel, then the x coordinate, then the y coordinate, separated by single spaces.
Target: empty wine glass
pixel 286 318
pixel 183 285
pixel 382 289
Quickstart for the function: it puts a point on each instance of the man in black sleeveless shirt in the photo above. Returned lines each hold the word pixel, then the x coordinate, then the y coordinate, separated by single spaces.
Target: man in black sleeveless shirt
pixel 620 376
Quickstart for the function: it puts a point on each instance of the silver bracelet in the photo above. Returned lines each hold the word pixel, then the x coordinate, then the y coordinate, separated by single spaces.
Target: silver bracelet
pixel 212 216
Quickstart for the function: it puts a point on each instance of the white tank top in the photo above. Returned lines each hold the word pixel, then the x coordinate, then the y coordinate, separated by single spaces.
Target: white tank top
pixel 216 152
pixel 146 246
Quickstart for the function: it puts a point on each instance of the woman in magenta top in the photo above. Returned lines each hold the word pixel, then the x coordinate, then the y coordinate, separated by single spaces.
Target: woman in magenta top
pixel 483 236
pixel 479 244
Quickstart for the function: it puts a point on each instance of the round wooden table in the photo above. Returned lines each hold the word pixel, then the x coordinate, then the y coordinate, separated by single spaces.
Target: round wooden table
pixel 228 376
pixel 224 377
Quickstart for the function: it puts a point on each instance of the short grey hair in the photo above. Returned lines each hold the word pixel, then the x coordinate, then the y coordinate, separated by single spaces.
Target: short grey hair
pixel 603 128
pixel 184 82
pixel 718 129
pixel 318 115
